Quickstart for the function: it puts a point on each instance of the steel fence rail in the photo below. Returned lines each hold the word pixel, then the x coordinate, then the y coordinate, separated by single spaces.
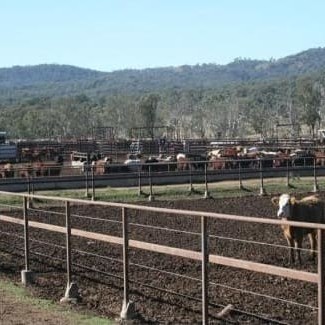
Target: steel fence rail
pixel 47 211
pixel 203 256
pixel 217 237
pixel 221 216
pixel 72 215
pixel 11 206
pixel 184 232
pixel 96 219
pixel 259 243
pixel 176 230
pixel 217 259
pixel 92 269
pixel 253 293
pixel 171 273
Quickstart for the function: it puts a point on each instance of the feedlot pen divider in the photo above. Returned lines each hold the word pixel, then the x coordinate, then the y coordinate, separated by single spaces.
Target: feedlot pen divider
pixel 203 255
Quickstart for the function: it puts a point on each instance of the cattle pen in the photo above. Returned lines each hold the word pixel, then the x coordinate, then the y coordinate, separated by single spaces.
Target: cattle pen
pixel 150 174
pixel 121 240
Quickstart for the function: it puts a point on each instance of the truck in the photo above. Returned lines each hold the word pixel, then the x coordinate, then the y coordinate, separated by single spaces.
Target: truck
pixel 8 151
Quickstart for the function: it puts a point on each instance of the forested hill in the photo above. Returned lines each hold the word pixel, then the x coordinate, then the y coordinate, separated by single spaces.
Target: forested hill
pixel 52 80
pixel 245 97
pixel 21 76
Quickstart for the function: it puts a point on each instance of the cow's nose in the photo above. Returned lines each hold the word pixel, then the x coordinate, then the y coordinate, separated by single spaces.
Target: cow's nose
pixel 280 215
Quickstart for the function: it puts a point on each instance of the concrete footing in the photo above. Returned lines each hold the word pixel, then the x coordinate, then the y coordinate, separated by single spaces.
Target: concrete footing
pixel 262 191
pixel 71 294
pixel 316 188
pixel 128 311
pixel 206 195
pixel 30 204
pixel 27 277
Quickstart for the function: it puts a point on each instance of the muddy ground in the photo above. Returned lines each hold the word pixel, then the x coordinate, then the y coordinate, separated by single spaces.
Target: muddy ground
pixel 256 298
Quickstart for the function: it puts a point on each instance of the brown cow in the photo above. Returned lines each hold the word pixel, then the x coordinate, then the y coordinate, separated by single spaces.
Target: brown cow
pixel 320 157
pixel 308 209
pixel 216 163
pixel 101 166
pixel 25 171
pixel 223 158
pixel 7 171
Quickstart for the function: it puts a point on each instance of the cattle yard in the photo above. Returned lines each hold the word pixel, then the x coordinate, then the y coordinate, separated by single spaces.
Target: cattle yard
pixel 45 166
pixel 176 266
pixel 68 158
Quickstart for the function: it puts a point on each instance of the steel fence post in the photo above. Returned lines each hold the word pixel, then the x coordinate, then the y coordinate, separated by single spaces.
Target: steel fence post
pixel 26 234
pixel 26 274
pixel 191 190
pixel 32 185
pixel 288 178
pixel 93 183
pixel 316 188
pixel 86 180
pixel 139 181
pixel 28 185
pixel 29 203
pixel 71 293
pixel 205 261
pixel 68 242
pixel 151 197
pixel 240 176
pixel 262 190
pixel 206 193
pixel 321 276
pixel 128 306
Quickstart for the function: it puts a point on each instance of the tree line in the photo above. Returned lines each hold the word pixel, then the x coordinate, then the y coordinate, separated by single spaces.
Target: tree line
pixel 235 110
pixel 271 98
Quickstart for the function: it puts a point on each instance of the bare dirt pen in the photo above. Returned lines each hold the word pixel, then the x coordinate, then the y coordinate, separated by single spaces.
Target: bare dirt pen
pixel 98 271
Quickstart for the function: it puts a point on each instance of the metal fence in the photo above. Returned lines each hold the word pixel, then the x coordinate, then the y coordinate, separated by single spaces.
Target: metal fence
pixel 152 174
pixel 204 255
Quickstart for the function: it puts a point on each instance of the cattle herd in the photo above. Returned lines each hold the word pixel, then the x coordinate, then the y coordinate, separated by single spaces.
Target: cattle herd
pixel 35 163
pixel 217 159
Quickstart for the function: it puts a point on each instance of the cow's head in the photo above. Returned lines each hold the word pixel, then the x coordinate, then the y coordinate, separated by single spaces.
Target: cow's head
pixel 284 204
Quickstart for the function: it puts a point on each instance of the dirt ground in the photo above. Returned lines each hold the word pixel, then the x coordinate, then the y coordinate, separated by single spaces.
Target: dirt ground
pixel 14 312
pixel 15 309
pixel 257 298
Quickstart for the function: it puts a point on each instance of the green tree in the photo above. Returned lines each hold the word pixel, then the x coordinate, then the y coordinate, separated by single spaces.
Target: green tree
pixel 309 96
pixel 148 111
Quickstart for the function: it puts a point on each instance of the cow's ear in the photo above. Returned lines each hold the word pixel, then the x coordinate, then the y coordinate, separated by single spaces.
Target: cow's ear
pixel 275 200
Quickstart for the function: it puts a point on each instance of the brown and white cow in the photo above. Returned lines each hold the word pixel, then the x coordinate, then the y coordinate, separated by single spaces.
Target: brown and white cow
pixel 308 209
pixel 186 161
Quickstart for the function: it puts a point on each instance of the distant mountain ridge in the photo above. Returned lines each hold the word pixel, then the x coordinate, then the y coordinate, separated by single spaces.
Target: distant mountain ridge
pixel 55 80
pixel 30 75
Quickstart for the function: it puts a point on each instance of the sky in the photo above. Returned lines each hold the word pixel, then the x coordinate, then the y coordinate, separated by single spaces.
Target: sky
pixel 109 35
